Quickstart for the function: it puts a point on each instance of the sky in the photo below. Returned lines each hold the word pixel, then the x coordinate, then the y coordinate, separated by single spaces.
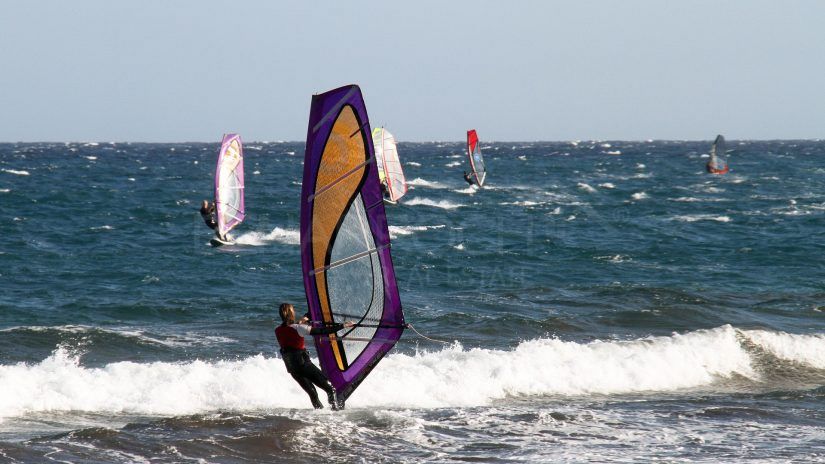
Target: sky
pixel 192 70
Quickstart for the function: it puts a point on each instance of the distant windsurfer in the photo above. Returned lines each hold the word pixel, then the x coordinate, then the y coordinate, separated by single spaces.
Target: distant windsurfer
pixel 468 178
pixel 290 335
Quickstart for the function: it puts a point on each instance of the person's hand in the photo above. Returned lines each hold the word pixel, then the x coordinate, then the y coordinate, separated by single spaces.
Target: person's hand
pixel 349 324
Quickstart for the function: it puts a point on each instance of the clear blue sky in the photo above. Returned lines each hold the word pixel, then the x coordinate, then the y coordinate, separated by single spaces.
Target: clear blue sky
pixel 190 70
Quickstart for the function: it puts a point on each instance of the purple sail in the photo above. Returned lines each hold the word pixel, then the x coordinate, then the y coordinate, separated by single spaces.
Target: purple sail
pixel 229 197
pixel 345 244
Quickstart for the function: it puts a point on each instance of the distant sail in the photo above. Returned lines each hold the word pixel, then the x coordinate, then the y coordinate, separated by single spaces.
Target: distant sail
pixel 717 164
pixel 229 196
pixel 389 167
pixel 476 160
pixel 345 243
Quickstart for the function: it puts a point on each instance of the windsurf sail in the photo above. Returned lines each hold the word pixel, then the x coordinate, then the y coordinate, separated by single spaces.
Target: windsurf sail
pixel 476 160
pixel 345 244
pixel 389 167
pixel 717 164
pixel 229 197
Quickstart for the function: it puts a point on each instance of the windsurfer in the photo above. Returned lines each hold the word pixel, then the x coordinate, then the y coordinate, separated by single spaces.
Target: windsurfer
pixel 468 178
pixel 208 214
pixel 290 335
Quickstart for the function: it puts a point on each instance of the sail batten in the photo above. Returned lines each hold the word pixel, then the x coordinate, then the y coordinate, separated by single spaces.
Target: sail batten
pixel 345 244
pixel 229 184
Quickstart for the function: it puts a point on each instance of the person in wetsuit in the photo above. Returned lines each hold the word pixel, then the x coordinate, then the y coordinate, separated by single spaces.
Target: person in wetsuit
pixel 290 335
pixel 208 214
pixel 468 178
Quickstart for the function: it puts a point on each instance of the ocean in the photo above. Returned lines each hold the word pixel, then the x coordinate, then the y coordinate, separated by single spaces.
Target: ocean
pixel 596 301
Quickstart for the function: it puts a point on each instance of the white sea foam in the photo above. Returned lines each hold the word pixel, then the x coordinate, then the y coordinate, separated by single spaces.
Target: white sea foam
pixel 460 246
pixel 92 158
pixel 640 196
pixel 614 259
pixel 103 227
pixel 701 217
pixel 419 182
pixel 451 377
pixel 607 185
pixel 613 152
pixel 412 163
pixel 521 203
pixel 804 349
pixel 471 189
pixel 173 340
pixel 280 235
pixel 5 190
pixel 586 187
pixel 16 172
pixel 443 204
pixel 453 164
pixel 640 166
pixel 397 231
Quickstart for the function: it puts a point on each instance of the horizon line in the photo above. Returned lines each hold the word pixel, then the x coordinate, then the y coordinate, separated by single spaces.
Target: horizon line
pixel 110 142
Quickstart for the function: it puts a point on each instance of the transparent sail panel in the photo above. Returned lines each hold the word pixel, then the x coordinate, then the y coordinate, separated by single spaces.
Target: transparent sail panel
pixel 356 290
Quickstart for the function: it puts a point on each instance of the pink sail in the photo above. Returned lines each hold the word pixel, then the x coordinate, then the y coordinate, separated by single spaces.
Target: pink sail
pixel 229 195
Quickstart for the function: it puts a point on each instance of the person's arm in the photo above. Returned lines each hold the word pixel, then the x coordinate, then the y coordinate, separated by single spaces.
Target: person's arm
pixel 306 329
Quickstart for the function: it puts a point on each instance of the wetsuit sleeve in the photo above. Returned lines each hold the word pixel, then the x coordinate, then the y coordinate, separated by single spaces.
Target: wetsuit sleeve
pixel 305 329
pixel 332 328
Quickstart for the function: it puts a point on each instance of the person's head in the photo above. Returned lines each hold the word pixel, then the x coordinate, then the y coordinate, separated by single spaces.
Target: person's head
pixel 287 312
pixel 204 206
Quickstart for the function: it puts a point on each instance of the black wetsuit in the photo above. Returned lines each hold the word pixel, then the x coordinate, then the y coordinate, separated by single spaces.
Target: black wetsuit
pixel 468 179
pixel 209 218
pixel 300 367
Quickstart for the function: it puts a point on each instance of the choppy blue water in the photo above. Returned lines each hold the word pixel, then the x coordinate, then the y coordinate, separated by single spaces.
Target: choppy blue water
pixel 602 302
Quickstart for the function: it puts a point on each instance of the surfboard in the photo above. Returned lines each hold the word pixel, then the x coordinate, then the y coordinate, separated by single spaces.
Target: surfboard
pixel 216 242
pixel 345 243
